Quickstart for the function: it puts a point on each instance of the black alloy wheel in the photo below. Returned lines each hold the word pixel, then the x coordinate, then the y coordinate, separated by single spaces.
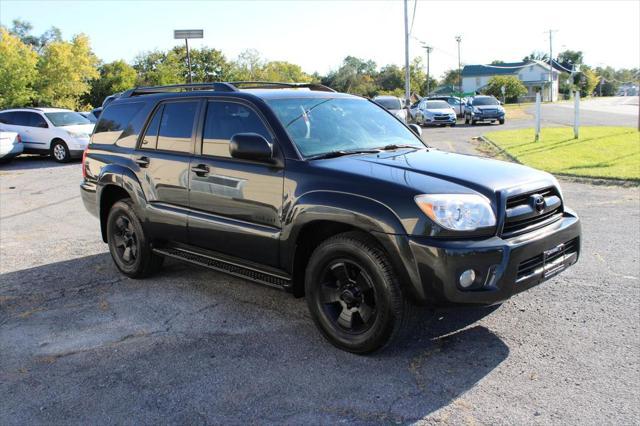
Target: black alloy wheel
pixel 348 296
pixel 125 240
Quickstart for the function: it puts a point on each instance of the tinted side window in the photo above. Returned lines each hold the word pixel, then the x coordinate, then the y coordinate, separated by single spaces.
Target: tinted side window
pixel 225 119
pixel 6 118
pixel 150 139
pixel 20 118
pixel 35 120
pixel 114 121
pixel 176 126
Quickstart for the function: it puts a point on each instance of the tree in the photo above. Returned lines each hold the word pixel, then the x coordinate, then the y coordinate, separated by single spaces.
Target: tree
pixel 586 81
pixel 390 78
pixel 22 29
pixel 512 84
pixel 284 71
pixel 17 71
pixel 65 71
pixel 450 78
pixel 497 62
pixel 536 56
pixel 158 68
pixel 354 76
pixel 114 77
pixel 570 57
pixel 248 66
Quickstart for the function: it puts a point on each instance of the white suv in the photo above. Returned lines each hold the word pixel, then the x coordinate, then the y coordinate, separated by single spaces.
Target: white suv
pixel 61 133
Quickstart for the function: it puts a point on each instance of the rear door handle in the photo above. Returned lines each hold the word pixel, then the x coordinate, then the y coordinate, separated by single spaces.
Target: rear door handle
pixel 200 170
pixel 142 161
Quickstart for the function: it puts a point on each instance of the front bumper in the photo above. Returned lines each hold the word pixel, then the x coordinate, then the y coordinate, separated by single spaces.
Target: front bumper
pixel 498 263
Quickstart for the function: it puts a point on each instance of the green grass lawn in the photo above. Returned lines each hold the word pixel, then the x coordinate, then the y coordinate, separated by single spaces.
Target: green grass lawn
pixel 600 152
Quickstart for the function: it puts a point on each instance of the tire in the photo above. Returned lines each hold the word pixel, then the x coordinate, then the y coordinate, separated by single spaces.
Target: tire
pixel 60 151
pixel 453 124
pixel 129 246
pixel 353 295
pixel 466 119
pixel 501 121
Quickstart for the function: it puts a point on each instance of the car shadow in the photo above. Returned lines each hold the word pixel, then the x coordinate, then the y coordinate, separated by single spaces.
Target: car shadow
pixel 28 162
pixel 192 345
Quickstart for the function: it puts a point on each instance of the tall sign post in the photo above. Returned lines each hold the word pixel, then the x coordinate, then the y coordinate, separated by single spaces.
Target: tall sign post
pixel 537 116
pixel 186 35
pixel 576 116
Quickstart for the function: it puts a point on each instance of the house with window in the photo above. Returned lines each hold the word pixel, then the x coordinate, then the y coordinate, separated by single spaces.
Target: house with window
pixel 533 74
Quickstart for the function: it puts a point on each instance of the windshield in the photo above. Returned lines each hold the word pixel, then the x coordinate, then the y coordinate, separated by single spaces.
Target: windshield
pixel 322 125
pixel 438 105
pixel 485 101
pixel 66 118
pixel 389 103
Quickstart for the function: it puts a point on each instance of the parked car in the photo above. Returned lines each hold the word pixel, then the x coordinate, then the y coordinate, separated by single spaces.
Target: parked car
pixel 62 133
pixel 92 115
pixel 456 103
pixel 435 113
pixel 392 104
pixel 483 108
pixel 10 145
pixel 321 194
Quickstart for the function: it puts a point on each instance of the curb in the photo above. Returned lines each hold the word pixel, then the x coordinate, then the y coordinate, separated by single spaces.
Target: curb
pixel 569 177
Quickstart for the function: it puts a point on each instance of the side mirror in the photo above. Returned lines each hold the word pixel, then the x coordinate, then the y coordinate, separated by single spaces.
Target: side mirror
pixel 251 146
pixel 416 129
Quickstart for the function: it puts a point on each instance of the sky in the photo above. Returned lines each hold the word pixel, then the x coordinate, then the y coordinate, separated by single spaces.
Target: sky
pixel 318 34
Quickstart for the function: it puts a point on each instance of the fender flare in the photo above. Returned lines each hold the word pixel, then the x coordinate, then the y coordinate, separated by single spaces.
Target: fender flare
pixel 366 214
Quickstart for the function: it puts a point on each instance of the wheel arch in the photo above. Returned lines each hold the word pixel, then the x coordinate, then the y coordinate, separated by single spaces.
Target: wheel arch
pixel 319 216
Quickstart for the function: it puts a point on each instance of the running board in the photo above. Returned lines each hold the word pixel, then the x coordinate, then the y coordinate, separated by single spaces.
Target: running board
pixel 226 266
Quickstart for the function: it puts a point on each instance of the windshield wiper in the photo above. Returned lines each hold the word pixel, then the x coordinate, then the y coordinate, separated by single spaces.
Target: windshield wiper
pixel 393 146
pixel 340 153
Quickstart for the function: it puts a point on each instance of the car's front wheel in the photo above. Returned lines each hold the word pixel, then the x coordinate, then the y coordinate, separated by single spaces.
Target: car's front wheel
pixel 129 246
pixel 353 294
pixel 501 121
pixel 60 151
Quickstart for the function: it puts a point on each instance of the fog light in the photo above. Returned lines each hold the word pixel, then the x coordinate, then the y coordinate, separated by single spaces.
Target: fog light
pixel 467 278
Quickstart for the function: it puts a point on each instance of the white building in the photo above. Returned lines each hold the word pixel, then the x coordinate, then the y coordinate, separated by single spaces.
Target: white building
pixel 533 74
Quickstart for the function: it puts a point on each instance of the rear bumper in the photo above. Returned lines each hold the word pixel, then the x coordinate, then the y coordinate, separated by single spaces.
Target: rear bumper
pixel 89 197
pixel 7 152
pixel 495 261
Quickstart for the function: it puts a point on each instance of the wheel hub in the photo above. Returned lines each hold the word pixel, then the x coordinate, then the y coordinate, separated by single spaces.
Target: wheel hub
pixel 351 297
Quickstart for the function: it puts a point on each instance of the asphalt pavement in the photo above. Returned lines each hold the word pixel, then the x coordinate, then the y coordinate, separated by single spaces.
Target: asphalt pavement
pixel 81 344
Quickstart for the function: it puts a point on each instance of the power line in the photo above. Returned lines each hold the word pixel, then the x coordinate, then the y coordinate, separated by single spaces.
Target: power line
pixel 415 6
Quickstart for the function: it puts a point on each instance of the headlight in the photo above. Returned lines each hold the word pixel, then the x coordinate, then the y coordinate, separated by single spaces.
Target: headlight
pixel 78 134
pixel 476 110
pixel 457 212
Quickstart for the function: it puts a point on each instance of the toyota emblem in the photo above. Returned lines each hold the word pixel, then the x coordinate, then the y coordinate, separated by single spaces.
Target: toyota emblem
pixel 538 202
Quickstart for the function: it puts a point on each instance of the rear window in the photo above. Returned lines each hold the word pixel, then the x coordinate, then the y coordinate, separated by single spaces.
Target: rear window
pixel 389 103
pixel 437 105
pixel 115 120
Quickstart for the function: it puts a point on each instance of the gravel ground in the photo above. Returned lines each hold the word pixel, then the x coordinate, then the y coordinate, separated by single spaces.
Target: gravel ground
pixel 80 343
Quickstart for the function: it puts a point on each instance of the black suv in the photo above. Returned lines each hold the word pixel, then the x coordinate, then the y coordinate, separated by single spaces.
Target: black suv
pixel 323 194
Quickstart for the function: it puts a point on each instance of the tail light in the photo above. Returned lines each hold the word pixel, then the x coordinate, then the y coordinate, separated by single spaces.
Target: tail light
pixel 84 163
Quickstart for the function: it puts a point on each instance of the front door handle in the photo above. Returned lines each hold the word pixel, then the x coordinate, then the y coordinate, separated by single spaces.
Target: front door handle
pixel 200 170
pixel 142 161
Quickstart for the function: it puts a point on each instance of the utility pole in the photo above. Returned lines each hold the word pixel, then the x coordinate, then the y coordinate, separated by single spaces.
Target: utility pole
pixel 407 74
pixel 428 49
pixel 551 65
pixel 459 39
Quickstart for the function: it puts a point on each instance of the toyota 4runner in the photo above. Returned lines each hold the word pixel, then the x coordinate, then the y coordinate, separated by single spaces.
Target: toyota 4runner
pixel 323 194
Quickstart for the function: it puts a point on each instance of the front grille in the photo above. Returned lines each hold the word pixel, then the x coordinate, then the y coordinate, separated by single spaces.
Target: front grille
pixel 535 264
pixel 441 117
pixel 521 215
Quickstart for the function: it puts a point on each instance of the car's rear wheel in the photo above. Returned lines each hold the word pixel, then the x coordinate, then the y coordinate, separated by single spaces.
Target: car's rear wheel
pixel 353 295
pixel 129 246
pixel 60 151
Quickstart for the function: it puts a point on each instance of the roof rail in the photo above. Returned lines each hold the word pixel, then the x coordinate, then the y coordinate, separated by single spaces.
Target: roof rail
pixel 279 85
pixel 219 87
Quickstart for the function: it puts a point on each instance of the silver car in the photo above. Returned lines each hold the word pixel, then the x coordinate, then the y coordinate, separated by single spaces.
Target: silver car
pixel 435 113
pixel 393 105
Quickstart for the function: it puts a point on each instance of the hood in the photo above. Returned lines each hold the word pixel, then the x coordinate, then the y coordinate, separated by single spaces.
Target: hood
pixel 433 171
pixel 80 128
pixel 440 111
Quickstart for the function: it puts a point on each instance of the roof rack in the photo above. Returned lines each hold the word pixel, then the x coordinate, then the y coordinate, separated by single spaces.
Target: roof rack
pixel 279 85
pixel 233 86
pixel 219 87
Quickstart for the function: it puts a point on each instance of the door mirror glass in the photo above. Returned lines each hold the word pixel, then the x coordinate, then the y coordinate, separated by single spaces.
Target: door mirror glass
pixel 416 129
pixel 251 146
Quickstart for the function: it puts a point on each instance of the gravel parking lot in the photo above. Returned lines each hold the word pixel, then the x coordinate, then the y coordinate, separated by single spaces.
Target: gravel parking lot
pixel 79 343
